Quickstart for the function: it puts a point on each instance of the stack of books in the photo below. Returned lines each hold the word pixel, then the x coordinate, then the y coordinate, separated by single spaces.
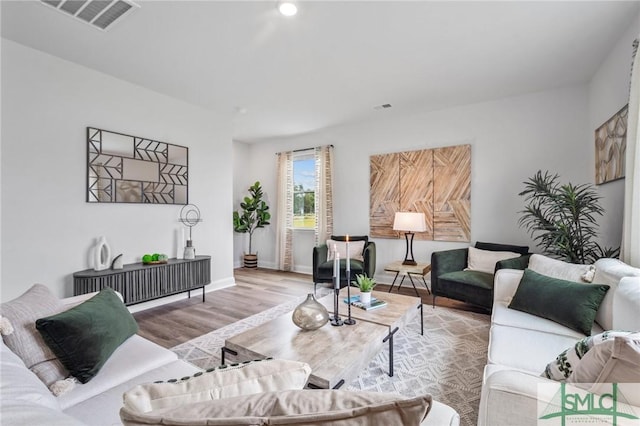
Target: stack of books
pixel 375 303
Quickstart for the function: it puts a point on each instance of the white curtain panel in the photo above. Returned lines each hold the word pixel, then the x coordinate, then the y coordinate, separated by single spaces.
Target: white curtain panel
pixel 630 252
pixel 324 193
pixel 284 224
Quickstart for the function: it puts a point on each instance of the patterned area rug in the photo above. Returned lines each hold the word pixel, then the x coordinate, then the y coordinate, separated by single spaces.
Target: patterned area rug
pixel 446 362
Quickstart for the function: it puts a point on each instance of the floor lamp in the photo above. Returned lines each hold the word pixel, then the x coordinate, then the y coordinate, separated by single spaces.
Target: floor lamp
pixel 409 222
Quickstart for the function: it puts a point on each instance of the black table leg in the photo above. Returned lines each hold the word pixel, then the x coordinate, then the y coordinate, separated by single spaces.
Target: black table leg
pixel 421 319
pixel 390 339
pixel 413 284
pixel 225 350
pixel 394 282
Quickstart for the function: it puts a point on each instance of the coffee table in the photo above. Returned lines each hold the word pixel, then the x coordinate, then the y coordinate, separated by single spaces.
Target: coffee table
pixel 399 312
pixel 335 354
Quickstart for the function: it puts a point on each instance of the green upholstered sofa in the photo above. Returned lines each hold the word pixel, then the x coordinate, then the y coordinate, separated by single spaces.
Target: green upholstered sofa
pixel 323 269
pixel 449 279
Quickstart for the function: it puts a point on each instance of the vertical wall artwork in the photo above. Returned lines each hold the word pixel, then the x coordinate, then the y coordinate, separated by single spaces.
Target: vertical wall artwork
pixel 611 146
pixel 436 182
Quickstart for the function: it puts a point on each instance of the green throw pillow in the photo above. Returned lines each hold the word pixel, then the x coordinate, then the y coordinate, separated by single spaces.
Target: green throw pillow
pixel 569 303
pixel 85 336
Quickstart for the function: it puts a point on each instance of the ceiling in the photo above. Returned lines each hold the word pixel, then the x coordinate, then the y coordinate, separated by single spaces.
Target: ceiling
pixel 336 60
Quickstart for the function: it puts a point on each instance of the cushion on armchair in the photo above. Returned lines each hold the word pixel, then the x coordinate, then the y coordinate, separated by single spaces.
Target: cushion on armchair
pixel 485 260
pixel 502 247
pixel 355 249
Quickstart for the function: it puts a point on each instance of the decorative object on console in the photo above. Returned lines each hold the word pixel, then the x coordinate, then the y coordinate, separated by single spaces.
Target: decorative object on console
pixel 611 146
pixel 409 222
pixel 254 214
pixel 117 262
pixel 131 169
pixel 180 244
pixel 310 314
pixel 190 216
pixel 154 259
pixel 436 182
pixel 101 255
pixel 562 219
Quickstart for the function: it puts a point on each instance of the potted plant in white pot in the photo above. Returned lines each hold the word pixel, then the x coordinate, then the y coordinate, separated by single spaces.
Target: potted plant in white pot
pixel 253 214
pixel 366 285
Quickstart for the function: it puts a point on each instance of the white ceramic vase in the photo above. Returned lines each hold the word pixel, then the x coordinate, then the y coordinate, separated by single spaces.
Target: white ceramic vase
pixel 101 255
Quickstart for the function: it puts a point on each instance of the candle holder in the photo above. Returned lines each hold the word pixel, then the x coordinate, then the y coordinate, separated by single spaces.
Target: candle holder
pixel 335 320
pixel 349 320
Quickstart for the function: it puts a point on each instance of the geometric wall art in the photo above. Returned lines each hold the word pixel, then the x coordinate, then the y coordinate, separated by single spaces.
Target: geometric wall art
pixel 436 182
pixel 130 169
pixel 611 146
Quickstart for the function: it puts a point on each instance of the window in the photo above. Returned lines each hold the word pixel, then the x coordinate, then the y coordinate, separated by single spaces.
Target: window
pixel 304 192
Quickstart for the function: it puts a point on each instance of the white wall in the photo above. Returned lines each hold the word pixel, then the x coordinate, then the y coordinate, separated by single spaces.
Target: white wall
pixel 47 226
pixel 243 177
pixel 608 92
pixel 511 139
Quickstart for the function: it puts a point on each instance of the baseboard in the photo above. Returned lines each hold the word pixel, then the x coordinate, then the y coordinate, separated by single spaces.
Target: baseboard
pixel 215 285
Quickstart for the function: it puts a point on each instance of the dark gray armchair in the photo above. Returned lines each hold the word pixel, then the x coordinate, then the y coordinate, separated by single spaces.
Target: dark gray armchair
pixel 323 269
pixel 449 279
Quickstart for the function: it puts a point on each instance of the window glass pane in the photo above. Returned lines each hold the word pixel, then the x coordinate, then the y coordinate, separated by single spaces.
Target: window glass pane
pixel 304 196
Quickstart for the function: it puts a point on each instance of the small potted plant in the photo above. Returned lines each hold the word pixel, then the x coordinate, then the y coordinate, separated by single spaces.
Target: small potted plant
pixel 366 285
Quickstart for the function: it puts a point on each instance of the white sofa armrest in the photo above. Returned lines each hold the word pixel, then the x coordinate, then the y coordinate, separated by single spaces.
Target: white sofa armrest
pixel 505 284
pixel 626 304
pixel 511 397
pixel 70 302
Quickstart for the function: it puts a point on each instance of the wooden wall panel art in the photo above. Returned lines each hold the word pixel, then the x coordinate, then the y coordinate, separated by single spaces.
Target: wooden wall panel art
pixel 611 147
pixel 384 196
pixel 436 182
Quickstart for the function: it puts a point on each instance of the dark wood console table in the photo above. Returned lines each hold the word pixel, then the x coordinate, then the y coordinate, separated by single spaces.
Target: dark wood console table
pixel 140 283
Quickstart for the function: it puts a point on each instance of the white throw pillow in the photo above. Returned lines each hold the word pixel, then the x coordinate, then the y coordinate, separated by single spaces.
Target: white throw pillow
pixel 26 342
pixel 217 383
pixel 615 361
pixel 485 260
pixel 324 407
pixel 355 249
pixel 565 364
pixel 561 270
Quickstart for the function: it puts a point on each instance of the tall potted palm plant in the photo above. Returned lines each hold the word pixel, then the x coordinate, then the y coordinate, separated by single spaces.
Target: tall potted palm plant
pixel 253 214
pixel 562 219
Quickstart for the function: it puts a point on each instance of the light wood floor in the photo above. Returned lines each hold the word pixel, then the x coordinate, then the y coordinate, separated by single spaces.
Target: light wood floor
pixel 256 290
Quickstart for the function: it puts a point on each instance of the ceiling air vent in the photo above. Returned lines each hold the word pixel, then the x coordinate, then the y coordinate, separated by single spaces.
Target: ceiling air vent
pixel 100 14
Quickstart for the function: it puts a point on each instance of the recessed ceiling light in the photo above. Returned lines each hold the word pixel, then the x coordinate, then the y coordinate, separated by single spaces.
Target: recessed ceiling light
pixel 287 8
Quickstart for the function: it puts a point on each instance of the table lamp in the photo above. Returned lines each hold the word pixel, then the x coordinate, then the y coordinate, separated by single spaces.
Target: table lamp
pixel 409 222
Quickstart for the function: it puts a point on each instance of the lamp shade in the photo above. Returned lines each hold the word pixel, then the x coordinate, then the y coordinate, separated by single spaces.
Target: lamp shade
pixel 409 221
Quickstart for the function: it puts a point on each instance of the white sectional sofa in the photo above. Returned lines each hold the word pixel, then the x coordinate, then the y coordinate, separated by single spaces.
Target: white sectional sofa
pixel 521 345
pixel 25 400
